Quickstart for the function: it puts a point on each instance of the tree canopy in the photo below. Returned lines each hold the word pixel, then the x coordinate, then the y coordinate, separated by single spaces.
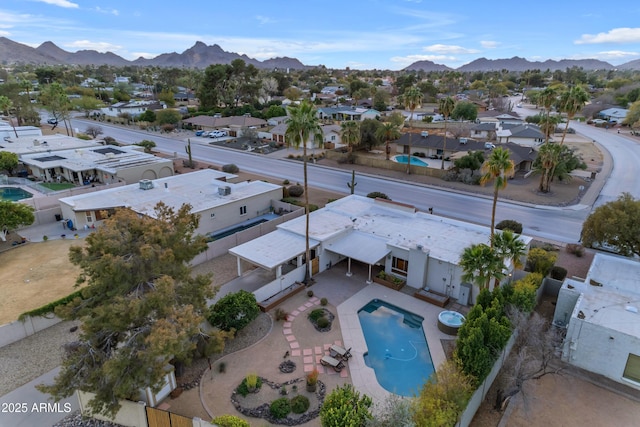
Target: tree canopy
pixel 615 223
pixel 12 216
pixel 140 308
pixel 465 110
pixel 8 161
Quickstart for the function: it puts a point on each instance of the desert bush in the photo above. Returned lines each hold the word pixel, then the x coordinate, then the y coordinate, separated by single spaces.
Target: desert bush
pixel 230 168
pixel 316 314
pixel 540 261
pixel 280 408
pixel 234 311
pixel 558 273
pixel 229 421
pixel 510 224
pixel 377 195
pixel 323 301
pixel 300 404
pixel 296 190
pixel 243 389
pixel 309 293
pixel 323 322
pixel 281 314
pixel 575 249
pixel 285 182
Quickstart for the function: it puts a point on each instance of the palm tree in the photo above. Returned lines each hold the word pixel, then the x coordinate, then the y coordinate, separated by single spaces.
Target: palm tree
pixel 571 102
pixel 508 246
pixel 5 106
pixel 303 128
pixel 548 158
pixel 445 108
pixel 498 167
pixel 389 132
pixel 412 99
pixel 350 131
pixel 479 264
pixel 548 98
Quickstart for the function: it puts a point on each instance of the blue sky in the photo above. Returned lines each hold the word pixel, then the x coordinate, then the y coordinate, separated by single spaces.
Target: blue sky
pixel 382 34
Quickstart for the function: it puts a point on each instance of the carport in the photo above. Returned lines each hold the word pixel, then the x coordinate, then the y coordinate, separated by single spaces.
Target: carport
pixel 362 247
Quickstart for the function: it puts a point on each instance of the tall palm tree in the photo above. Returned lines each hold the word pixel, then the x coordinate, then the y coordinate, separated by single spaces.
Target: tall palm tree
pixel 507 245
pixel 548 158
pixel 571 102
pixel 412 98
pixel 498 167
pixel 445 108
pixel 547 98
pixel 350 131
pixel 479 264
pixel 304 128
pixel 5 106
pixel 388 132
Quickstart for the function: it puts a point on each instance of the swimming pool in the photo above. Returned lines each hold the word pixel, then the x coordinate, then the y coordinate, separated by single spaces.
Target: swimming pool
pixel 14 193
pixel 397 348
pixel 414 160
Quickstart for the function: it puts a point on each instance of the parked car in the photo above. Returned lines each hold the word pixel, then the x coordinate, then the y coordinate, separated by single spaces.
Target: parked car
pixel 489 146
pixel 52 121
pixel 200 133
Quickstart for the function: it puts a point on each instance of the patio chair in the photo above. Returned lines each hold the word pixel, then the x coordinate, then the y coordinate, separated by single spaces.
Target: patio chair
pixel 336 364
pixel 340 352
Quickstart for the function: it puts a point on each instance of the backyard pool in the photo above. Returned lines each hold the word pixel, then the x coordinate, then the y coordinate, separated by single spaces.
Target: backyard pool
pixel 414 160
pixel 14 193
pixel 397 348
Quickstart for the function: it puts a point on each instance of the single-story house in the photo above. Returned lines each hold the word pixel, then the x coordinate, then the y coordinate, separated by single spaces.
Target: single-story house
pixel 232 124
pixel 420 248
pixel 527 135
pixel 614 114
pixel 601 315
pixel 342 113
pixel 221 205
pixel 331 136
pixel 7 132
pixel 132 108
pixel 44 144
pixel 104 164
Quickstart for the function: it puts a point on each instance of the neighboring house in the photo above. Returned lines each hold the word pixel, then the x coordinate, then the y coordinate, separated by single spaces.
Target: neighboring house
pixel 274 121
pixel 613 114
pixel 527 135
pixel 105 164
pixel 221 205
pixel 121 79
pixel 493 116
pixel 602 319
pixel 342 113
pixel 485 130
pixel 433 146
pixel 7 132
pixel 233 124
pixel 44 144
pixel 132 108
pixel 331 136
pixel 331 90
pixel 420 248
pixel 90 82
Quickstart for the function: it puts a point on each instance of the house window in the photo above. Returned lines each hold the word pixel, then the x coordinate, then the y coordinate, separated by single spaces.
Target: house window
pixel 89 216
pixel 632 369
pixel 399 266
pixel 243 210
pixel 333 137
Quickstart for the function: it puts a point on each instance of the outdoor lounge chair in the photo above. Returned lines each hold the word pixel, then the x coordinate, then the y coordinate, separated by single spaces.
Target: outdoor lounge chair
pixel 340 352
pixel 336 364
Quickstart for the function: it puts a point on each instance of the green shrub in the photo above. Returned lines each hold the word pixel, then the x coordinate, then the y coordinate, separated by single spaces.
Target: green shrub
pixel 234 311
pixel 377 195
pixel 540 261
pixel 576 249
pixel 280 408
pixel 252 381
pixel 345 407
pixel 323 322
pixel 324 301
pixel 222 367
pixel 285 182
pixel 51 307
pixel 309 293
pixel 296 190
pixel 300 404
pixel 243 388
pixel 229 421
pixel 509 224
pixel 230 168
pixel 558 273
pixel 316 314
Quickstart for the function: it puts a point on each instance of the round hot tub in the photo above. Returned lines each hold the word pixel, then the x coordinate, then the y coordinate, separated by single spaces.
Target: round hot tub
pixel 450 321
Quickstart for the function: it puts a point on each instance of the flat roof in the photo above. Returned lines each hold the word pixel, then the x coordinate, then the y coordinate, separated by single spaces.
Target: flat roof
pixel 108 159
pixel 273 249
pixel 42 144
pixel 199 189
pixel 610 296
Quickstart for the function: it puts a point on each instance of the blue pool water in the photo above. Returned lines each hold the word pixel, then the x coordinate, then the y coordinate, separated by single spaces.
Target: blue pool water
pixel 14 194
pixel 398 350
pixel 414 160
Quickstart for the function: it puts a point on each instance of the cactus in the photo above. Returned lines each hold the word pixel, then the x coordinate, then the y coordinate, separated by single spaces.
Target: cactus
pixel 188 150
pixel 353 183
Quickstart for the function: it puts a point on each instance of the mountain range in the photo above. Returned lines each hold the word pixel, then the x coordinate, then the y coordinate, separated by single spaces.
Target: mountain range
pixel 201 55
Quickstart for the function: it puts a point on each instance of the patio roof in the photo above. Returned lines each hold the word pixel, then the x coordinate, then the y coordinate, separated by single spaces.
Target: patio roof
pixel 361 247
pixel 273 249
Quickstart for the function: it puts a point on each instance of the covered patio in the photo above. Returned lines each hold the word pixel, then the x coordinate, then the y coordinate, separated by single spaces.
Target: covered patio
pixel 361 247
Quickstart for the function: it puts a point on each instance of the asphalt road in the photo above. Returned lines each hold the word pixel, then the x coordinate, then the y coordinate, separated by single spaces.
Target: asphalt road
pixel 557 224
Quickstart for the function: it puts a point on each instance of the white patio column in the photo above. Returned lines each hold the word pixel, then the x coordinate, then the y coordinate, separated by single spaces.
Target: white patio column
pixel 349 273
pixel 369 281
pixel 239 266
pixel 279 271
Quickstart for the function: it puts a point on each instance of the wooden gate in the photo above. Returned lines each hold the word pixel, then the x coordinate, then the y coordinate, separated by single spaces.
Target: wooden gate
pixel 159 418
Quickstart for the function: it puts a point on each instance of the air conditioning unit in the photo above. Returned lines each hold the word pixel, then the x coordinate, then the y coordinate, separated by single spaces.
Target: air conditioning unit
pixel 146 184
pixel 224 190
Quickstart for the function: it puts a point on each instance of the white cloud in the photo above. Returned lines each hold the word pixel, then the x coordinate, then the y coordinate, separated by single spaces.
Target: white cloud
pixel 607 55
pixel 488 44
pixel 114 12
pixel 5 33
pixel 263 20
pixel 448 49
pixel 61 3
pixel 617 35
pixel 99 46
pixel 147 55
